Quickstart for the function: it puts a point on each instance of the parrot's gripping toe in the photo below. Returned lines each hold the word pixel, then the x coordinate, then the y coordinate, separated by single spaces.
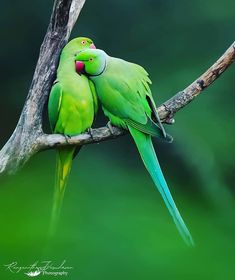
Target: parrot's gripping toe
pixel 90 131
pixel 67 138
pixel 110 127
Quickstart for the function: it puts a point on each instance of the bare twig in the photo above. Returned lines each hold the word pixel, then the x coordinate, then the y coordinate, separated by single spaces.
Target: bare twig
pixel 181 99
pixel 28 137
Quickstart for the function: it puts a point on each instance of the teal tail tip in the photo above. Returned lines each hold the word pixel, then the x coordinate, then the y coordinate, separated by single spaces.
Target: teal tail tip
pixel 189 241
pixel 185 234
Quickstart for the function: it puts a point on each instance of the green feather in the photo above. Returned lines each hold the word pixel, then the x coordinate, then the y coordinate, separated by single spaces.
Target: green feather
pixel 63 167
pixel 95 99
pixel 54 104
pixel 150 128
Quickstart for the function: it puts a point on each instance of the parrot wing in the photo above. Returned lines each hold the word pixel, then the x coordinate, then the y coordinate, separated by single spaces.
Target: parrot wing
pixel 146 95
pixel 155 115
pixel 54 104
pixel 150 128
pixel 131 97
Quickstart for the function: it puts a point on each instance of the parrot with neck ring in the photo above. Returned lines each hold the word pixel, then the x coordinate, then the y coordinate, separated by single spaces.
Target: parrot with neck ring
pixel 124 93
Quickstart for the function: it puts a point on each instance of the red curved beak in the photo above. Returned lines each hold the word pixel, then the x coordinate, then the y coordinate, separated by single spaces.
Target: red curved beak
pixel 79 67
pixel 92 46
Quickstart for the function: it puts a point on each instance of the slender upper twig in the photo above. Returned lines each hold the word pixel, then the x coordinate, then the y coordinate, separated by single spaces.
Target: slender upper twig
pixel 181 99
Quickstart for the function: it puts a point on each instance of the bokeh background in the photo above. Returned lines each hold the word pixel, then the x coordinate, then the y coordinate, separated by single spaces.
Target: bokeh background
pixel 114 224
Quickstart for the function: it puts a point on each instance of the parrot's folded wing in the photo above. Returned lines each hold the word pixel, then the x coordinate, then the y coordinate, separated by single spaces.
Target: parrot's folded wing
pixel 150 128
pixel 54 104
pixel 155 113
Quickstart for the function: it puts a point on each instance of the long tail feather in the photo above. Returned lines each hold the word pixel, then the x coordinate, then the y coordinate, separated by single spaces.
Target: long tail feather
pixel 148 155
pixel 63 167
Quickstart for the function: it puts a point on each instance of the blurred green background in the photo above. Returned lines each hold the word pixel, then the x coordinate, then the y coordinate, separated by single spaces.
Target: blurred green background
pixel 114 224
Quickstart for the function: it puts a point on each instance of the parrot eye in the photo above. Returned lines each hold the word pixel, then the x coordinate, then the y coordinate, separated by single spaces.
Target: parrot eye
pixel 91 59
pixel 83 42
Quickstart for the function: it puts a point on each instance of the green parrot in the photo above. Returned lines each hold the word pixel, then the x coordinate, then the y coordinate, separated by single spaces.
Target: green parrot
pixel 72 106
pixel 123 90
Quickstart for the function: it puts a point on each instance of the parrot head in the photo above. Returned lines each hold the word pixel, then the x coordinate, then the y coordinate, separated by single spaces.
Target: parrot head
pixel 81 43
pixel 76 45
pixel 91 62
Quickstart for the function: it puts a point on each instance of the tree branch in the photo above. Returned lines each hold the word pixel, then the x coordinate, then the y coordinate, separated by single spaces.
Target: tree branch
pixel 51 141
pixel 28 137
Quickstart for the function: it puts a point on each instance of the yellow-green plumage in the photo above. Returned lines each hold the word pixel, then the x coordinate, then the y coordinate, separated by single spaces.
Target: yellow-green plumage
pixel 71 108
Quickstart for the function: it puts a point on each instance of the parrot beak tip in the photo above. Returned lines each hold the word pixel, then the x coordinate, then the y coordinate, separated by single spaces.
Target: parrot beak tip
pixel 92 46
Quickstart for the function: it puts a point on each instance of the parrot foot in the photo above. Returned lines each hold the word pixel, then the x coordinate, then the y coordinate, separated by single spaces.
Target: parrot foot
pixel 170 118
pixel 67 138
pixel 110 127
pixel 170 121
pixel 89 130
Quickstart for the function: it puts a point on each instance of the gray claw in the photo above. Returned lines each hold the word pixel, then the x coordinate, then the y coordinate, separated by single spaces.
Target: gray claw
pixel 90 132
pixel 67 138
pixel 110 127
pixel 170 120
